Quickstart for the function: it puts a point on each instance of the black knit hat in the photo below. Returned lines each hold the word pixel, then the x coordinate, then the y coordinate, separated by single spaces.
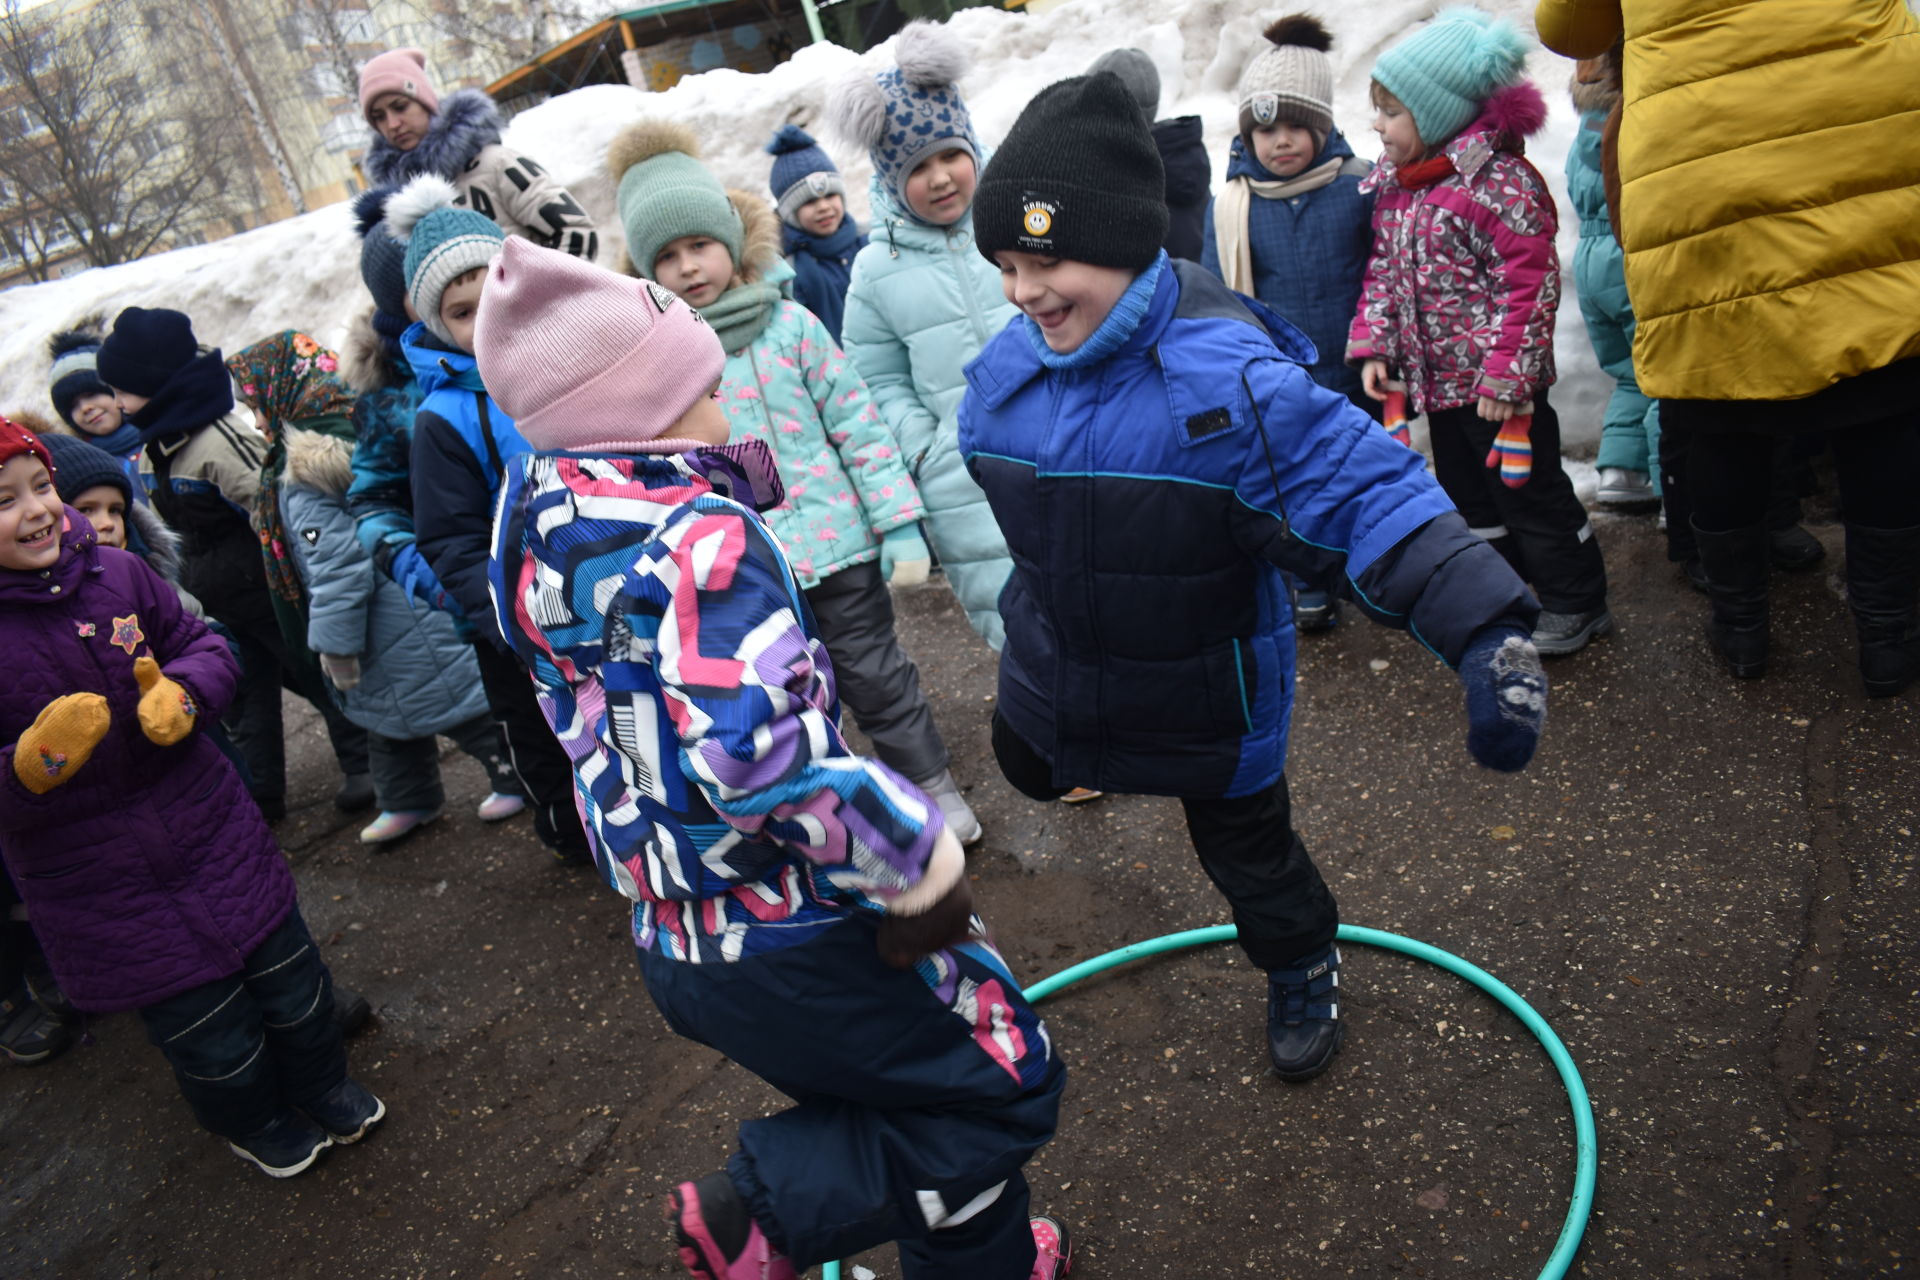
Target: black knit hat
pixel 79 466
pixel 1078 177
pixel 145 349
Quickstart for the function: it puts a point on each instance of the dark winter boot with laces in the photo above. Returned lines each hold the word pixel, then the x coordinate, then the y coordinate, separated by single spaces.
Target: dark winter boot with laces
pixel 1303 1016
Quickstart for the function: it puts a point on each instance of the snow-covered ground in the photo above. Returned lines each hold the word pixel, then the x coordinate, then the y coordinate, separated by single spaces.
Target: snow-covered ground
pixel 304 272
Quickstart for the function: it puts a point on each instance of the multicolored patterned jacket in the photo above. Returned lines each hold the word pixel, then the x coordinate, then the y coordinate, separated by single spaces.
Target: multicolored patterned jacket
pixel 1460 293
pixel 675 658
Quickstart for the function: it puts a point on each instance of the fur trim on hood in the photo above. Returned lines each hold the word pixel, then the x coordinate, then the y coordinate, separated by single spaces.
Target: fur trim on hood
pixel 364 364
pixel 467 123
pixel 645 140
pixel 1591 96
pixel 161 542
pixel 320 462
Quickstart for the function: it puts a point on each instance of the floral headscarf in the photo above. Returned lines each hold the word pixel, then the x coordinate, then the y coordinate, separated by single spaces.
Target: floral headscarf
pixel 289 381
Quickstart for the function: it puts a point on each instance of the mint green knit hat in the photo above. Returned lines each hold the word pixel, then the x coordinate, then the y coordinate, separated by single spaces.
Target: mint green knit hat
pixel 1446 69
pixel 663 192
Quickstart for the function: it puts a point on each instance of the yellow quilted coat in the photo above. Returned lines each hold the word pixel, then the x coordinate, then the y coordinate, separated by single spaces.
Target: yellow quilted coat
pixel 1770 187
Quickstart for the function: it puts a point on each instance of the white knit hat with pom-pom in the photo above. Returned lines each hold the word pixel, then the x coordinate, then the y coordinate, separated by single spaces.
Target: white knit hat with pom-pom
pixel 443 241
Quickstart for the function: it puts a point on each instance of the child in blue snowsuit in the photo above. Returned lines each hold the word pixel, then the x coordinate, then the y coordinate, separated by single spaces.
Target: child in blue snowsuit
pixel 1291 226
pixel 1154 449
pixel 802 910
pixel 817 235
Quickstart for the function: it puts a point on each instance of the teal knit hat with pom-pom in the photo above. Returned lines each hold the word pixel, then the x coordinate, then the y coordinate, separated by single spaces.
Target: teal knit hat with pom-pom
pixel 1445 70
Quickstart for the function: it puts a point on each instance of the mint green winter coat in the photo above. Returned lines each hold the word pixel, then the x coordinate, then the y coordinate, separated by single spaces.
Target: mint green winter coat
pixel 923 302
pixel 846 481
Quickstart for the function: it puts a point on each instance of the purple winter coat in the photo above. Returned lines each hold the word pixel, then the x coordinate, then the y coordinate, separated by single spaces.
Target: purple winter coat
pixel 149 872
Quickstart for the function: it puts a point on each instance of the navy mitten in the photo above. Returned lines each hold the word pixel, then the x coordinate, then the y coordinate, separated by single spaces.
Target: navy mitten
pixel 1506 698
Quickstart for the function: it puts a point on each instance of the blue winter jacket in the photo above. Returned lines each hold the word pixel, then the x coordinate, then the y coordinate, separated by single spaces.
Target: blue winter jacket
pixel 1309 254
pixel 462 443
pixel 1150 501
pixel 386 399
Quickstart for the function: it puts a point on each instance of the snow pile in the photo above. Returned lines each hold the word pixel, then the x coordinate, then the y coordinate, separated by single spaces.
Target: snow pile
pixel 304 272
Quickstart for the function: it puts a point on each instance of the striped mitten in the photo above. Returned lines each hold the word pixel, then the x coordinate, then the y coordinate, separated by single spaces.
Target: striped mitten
pixel 1512 451
pixel 1393 413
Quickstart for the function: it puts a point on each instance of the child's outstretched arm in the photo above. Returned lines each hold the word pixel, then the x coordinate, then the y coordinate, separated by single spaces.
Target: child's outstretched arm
pixel 1323 490
pixel 715 637
pixel 885 364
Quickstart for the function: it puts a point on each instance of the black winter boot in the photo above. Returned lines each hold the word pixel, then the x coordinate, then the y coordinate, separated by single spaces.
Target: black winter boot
pixel 1736 564
pixel 1883 585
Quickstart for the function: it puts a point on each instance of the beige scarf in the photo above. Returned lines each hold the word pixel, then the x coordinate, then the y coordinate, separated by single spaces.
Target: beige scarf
pixel 1230 216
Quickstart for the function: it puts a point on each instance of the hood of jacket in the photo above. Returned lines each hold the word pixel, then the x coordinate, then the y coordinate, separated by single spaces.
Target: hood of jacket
pixel 894 227
pixel 1183 151
pixel 467 123
pixel 437 365
pixel 1241 164
pixel 153 540
pixel 319 462
pixel 366 361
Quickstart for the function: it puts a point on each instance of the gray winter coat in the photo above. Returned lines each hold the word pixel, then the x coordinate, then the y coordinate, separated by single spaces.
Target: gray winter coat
pixel 417 677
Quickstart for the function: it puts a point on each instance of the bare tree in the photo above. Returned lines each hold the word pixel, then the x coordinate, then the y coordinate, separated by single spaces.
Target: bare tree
pixel 107 147
pixel 498 35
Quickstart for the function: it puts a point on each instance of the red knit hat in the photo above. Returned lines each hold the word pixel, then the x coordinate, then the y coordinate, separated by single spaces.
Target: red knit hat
pixel 16 440
pixel 589 361
pixel 397 71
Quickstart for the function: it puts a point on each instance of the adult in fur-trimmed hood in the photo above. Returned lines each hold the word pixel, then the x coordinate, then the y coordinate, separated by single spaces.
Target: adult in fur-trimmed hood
pixel 417 131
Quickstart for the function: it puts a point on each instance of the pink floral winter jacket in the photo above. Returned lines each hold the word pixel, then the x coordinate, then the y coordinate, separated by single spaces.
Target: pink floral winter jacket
pixel 1463 283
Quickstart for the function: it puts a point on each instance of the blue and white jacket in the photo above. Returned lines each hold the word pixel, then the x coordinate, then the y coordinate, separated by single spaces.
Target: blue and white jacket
pixel 463 444
pixel 1150 500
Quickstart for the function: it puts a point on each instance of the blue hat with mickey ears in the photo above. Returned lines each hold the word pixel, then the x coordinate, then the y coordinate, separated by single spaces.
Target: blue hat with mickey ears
pixel 904 115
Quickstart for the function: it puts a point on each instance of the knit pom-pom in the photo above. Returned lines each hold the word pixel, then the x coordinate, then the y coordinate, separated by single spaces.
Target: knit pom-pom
pixel 1498 51
pixel 73 339
pixel 415 201
pixel 1518 110
pixel 790 138
pixel 1302 29
pixel 857 109
pixel 370 209
pixel 929 56
pixel 645 140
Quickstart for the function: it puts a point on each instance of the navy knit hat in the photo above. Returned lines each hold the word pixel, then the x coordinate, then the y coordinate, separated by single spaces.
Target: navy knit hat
pixel 79 466
pixel 802 172
pixel 1078 177
pixel 913 111
pixel 383 260
pixel 74 374
pixel 145 349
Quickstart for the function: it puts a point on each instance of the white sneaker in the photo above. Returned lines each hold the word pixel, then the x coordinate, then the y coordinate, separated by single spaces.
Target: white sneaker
pixel 960 816
pixel 394 824
pixel 1620 487
pixel 498 807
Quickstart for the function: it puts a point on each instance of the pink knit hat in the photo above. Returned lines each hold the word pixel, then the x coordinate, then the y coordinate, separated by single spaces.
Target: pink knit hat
pixel 397 71
pixel 588 361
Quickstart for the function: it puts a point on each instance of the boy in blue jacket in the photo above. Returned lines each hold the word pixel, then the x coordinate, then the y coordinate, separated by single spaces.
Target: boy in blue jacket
pixel 462 445
pixel 1290 226
pixel 1154 449
pixel 817 235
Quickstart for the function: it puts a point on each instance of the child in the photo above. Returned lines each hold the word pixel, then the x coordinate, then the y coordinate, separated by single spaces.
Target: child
pixel 1459 303
pixel 205 457
pixel 817 236
pixel 462 444
pixel 851 522
pixel 1291 226
pixel 1183 151
pixel 415 133
pixel 795 905
pixel 380 497
pixel 920 304
pixel 1152 455
pixel 151 878
pixel 85 403
pixel 1630 435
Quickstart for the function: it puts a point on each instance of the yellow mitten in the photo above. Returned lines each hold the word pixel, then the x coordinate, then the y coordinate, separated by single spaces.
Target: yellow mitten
pixel 167 711
pixel 60 740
